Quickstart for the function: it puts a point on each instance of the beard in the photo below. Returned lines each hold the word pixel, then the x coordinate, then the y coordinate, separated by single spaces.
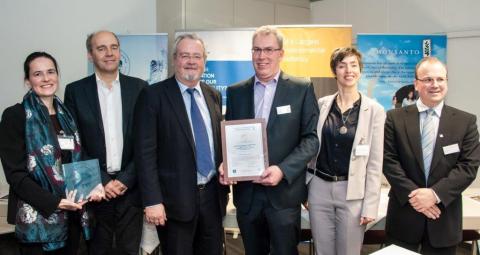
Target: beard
pixel 191 77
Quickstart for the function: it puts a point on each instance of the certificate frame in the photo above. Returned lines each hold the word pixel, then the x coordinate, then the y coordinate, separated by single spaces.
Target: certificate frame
pixel 229 159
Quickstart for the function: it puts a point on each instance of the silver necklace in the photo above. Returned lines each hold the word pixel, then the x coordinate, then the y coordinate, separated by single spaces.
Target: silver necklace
pixel 343 129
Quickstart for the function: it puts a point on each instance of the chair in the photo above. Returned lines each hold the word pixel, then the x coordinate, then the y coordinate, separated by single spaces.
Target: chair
pixel 472 236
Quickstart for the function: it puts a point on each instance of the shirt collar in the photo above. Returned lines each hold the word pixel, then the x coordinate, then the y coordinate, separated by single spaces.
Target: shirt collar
pixel 101 82
pixel 275 79
pixel 184 87
pixel 422 107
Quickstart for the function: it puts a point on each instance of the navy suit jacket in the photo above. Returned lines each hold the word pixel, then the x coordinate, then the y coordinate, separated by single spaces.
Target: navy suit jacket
pixel 292 138
pixel 81 97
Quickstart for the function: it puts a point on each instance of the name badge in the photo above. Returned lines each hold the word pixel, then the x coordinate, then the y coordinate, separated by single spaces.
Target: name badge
pixel 283 109
pixel 449 149
pixel 66 142
pixel 362 150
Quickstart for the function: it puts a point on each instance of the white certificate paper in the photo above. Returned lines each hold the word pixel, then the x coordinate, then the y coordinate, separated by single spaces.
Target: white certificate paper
pixel 244 149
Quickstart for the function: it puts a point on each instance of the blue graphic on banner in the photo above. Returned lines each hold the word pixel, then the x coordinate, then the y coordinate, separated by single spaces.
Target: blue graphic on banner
pixel 221 74
pixel 389 64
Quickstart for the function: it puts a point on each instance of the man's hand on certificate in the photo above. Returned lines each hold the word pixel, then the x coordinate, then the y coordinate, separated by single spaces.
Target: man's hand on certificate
pixel 155 214
pixel 221 176
pixel 271 176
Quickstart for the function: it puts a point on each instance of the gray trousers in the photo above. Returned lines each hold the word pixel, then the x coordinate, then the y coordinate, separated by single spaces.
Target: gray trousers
pixel 335 222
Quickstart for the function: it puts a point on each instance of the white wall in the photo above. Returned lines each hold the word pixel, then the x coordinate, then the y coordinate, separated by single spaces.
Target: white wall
pixel 60 27
pixel 459 19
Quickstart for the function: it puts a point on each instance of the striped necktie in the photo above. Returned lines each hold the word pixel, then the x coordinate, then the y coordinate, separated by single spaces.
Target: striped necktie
pixel 428 140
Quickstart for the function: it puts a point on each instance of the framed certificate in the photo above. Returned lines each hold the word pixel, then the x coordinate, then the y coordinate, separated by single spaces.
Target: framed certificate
pixel 245 151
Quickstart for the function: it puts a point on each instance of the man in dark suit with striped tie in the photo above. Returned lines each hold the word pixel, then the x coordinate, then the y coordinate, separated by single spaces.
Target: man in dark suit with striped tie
pixel 432 154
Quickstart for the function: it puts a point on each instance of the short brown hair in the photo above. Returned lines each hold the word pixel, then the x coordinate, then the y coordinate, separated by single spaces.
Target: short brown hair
pixel 340 53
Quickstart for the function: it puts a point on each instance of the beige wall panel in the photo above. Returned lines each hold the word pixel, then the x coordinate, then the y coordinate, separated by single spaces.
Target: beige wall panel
pixel 462 15
pixel 253 13
pixel 285 14
pixel 413 16
pixel 328 12
pixel 369 16
pixel 202 14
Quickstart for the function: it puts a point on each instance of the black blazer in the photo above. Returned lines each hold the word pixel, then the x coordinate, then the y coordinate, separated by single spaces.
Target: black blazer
pixel 449 175
pixel 13 153
pixel 292 138
pixel 165 149
pixel 81 97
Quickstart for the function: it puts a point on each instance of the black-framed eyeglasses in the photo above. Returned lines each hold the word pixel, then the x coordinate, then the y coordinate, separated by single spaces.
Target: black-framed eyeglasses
pixel 267 51
pixel 430 80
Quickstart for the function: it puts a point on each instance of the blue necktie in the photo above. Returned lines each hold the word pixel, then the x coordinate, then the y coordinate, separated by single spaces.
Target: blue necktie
pixel 428 139
pixel 202 146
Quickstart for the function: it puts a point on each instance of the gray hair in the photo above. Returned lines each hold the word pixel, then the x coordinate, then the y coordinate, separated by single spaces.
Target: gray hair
pixel 191 36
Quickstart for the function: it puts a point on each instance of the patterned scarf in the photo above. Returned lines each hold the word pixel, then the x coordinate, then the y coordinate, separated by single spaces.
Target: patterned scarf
pixel 45 167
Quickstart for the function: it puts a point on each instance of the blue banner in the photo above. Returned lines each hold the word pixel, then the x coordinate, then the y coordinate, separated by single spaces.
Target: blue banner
pixel 389 64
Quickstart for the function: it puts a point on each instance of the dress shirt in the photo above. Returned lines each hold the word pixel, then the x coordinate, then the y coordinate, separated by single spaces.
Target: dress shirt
pixel 263 97
pixel 110 100
pixel 334 158
pixel 202 105
pixel 422 109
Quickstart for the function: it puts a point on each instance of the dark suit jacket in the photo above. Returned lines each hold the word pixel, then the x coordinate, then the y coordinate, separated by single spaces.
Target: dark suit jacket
pixel 292 138
pixel 81 97
pixel 165 149
pixel 449 175
pixel 13 153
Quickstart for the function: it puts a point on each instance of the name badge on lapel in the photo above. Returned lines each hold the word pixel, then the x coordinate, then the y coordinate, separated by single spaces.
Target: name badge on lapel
pixel 66 142
pixel 362 150
pixel 283 109
pixel 449 149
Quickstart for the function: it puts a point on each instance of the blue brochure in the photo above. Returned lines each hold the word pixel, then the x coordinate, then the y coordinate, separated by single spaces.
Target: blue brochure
pixel 82 179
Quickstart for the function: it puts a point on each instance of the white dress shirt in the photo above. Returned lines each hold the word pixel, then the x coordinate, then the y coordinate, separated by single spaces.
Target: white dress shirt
pixel 202 105
pixel 110 100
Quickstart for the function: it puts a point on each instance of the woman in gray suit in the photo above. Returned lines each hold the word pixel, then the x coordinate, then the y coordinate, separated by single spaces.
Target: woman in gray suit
pixel 344 178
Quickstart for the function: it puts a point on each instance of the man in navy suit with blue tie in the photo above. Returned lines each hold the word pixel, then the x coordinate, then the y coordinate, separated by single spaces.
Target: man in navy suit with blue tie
pixel 177 152
pixel 432 154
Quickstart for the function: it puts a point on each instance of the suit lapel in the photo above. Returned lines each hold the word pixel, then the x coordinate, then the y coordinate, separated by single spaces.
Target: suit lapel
pixel 412 124
pixel 174 95
pixel 443 128
pixel 362 122
pixel 91 95
pixel 249 98
pixel 280 93
pixel 126 93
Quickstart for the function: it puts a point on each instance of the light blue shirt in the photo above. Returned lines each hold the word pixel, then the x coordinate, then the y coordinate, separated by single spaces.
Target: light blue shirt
pixel 263 97
pixel 202 105
pixel 422 109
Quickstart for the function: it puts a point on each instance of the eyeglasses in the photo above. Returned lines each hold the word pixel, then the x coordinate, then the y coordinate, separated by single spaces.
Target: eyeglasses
pixel 430 80
pixel 267 51
pixel 186 56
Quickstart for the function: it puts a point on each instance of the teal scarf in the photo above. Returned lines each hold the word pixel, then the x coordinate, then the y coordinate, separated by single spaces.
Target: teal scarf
pixel 45 167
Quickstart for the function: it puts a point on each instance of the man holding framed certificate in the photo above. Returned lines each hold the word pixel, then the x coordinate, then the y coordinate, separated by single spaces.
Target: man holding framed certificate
pixel 268 208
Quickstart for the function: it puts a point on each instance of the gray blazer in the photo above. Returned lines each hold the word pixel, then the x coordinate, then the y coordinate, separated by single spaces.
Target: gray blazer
pixel 365 172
